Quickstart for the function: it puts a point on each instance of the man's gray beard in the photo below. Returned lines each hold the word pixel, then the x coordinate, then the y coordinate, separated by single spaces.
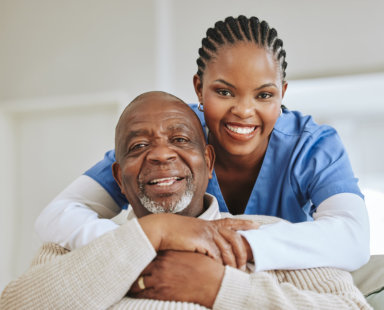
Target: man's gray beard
pixel 174 207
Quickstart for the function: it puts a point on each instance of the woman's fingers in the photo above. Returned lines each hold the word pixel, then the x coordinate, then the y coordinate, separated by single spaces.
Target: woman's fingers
pixel 225 247
pixel 237 224
pixel 238 248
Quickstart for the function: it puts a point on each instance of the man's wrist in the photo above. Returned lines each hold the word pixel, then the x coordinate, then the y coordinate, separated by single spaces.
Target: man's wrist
pixel 153 228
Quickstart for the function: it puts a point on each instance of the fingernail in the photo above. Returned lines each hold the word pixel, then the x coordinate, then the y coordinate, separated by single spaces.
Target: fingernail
pixel 243 268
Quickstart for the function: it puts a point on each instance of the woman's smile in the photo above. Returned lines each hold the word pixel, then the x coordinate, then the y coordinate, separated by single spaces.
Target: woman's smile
pixel 241 132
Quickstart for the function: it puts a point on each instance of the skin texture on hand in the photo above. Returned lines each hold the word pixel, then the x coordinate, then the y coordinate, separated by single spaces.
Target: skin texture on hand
pixel 181 276
pixel 217 239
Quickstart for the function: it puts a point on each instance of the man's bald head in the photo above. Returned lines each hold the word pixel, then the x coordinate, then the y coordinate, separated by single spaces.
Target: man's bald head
pixel 159 100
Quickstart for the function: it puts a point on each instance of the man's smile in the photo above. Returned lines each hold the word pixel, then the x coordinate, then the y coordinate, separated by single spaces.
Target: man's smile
pixel 164 181
pixel 160 184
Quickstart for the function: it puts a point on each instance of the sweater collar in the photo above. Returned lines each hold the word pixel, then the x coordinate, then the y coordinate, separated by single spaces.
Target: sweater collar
pixel 210 205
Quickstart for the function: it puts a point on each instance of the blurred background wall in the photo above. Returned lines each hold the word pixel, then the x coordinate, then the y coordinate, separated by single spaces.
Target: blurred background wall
pixel 67 68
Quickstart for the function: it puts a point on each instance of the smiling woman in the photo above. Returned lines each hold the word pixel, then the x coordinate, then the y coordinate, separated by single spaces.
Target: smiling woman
pixel 241 92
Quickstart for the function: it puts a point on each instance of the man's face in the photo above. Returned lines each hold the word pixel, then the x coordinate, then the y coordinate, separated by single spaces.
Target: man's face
pixel 164 165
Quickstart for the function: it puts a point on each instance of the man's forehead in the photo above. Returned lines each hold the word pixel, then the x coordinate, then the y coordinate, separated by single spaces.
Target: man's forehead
pixel 168 123
pixel 158 105
pixel 159 112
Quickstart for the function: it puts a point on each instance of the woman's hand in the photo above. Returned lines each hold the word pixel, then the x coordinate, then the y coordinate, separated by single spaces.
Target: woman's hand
pixel 181 276
pixel 218 239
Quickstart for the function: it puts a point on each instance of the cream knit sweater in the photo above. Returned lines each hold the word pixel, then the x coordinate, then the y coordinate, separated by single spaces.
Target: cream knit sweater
pixel 98 276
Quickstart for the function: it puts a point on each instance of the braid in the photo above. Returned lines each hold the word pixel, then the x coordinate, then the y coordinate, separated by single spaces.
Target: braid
pixel 232 30
pixel 244 26
pixel 234 27
pixel 222 27
pixel 255 28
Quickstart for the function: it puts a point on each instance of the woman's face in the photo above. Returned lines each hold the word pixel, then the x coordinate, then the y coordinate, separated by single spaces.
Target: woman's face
pixel 241 93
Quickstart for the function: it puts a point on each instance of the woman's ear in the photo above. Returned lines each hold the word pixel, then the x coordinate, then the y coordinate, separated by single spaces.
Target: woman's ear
pixel 285 86
pixel 210 156
pixel 116 172
pixel 197 83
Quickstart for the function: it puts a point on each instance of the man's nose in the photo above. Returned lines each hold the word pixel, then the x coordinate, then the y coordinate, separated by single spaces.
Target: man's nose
pixel 161 153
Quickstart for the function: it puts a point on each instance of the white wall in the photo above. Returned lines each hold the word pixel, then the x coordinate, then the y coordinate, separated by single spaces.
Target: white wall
pixel 51 48
pixel 46 143
pixel 67 65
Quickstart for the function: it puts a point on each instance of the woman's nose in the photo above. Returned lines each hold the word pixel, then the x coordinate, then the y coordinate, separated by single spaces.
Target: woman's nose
pixel 243 108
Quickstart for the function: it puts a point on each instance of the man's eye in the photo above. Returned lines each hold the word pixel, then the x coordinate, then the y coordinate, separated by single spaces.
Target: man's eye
pixel 138 146
pixel 224 92
pixel 180 140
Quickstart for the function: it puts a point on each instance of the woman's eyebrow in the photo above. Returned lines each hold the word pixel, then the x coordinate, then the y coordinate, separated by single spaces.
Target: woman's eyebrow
pixel 266 85
pixel 257 88
pixel 226 83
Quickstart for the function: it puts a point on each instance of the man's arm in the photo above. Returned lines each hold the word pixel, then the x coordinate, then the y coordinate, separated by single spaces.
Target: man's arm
pixel 93 277
pixel 316 288
pixel 196 278
pixel 101 273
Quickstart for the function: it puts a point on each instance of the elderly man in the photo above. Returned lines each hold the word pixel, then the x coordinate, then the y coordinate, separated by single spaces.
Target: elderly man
pixel 170 261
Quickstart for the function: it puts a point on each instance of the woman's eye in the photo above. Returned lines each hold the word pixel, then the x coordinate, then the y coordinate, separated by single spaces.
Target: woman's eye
pixel 224 92
pixel 265 95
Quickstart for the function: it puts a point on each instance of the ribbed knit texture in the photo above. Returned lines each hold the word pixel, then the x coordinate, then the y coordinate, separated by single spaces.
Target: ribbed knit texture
pixel 99 275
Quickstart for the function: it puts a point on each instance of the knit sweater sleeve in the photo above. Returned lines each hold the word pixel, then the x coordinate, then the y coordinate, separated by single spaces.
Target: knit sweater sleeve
pixel 319 288
pixel 88 278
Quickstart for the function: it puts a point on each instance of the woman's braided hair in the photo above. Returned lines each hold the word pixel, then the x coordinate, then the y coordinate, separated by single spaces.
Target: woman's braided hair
pixel 233 30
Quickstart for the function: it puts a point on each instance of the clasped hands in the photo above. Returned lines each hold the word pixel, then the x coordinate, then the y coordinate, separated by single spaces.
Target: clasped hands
pixel 191 257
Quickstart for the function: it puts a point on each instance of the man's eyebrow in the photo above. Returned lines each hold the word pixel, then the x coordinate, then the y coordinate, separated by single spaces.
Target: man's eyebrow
pixel 136 133
pixel 182 126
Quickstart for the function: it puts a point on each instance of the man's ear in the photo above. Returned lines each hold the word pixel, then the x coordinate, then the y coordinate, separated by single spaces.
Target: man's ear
pixel 210 156
pixel 197 83
pixel 116 172
pixel 285 86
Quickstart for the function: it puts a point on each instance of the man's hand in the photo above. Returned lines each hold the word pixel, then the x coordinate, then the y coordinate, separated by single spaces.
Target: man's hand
pixel 181 276
pixel 217 239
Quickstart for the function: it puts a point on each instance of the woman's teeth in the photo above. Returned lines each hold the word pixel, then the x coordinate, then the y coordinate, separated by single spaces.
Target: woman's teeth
pixel 241 130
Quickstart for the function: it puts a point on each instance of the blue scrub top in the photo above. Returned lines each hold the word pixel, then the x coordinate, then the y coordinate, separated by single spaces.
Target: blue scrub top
pixel 305 163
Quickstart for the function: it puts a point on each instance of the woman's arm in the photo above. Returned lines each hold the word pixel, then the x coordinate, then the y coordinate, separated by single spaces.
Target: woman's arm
pixel 80 213
pixel 77 215
pixel 338 237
